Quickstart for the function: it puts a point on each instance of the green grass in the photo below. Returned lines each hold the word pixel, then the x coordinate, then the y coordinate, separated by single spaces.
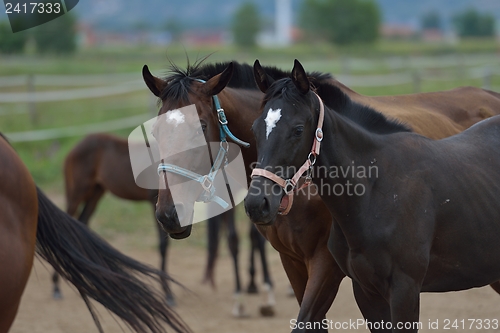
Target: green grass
pixel 117 218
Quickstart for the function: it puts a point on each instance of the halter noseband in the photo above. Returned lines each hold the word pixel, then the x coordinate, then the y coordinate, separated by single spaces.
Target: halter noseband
pixel 206 181
pixel 290 185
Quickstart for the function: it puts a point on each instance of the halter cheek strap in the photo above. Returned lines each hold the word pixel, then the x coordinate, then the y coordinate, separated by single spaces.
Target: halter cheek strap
pixel 290 185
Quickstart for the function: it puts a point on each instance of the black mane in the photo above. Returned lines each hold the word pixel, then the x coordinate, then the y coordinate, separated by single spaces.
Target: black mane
pixel 365 116
pixel 179 80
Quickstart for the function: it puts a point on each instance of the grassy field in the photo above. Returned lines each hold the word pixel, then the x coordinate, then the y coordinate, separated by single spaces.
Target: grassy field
pixel 439 66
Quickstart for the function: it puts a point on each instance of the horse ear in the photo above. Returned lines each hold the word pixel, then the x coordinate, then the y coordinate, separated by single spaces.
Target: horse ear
pixel 299 77
pixel 263 80
pixel 215 85
pixel 154 84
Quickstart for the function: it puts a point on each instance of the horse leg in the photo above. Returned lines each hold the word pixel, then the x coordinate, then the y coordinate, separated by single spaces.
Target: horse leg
pixel 266 310
pixel 91 204
pixel 213 249
pixel 163 247
pixel 405 302
pixel 374 308
pixel 321 289
pixel 233 243
pixel 252 287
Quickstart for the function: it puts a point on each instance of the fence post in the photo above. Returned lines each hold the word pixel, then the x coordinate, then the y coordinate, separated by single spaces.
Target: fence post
pixel 417 80
pixel 32 103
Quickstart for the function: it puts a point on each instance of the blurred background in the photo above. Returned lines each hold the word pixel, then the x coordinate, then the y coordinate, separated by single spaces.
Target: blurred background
pixel 81 73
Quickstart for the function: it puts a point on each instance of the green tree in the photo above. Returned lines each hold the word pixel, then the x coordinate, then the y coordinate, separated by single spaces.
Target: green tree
pixel 471 23
pixel 11 42
pixel 341 22
pixel 431 20
pixel 57 36
pixel 174 28
pixel 246 25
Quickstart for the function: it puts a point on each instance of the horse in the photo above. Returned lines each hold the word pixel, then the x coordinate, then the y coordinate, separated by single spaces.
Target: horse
pixel 312 271
pixel 423 221
pixel 171 98
pixel 31 223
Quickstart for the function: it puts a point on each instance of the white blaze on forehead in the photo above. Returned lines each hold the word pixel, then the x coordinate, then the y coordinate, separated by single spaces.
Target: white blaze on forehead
pixel 271 119
pixel 175 117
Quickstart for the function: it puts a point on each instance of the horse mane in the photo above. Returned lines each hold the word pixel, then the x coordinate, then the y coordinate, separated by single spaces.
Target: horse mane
pixel 363 115
pixel 179 80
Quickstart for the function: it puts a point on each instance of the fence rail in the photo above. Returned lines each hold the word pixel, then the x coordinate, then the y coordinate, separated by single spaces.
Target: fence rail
pixel 55 133
pixel 118 84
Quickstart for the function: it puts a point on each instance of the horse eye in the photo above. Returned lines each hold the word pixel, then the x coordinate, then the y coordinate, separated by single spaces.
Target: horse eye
pixel 298 131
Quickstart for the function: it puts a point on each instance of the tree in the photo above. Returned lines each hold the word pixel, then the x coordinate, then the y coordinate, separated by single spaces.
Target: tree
pixel 471 23
pixel 56 36
pixel 431 20
pixel 174 28
pixel 11 42
pixel 246 25
pixel 341 21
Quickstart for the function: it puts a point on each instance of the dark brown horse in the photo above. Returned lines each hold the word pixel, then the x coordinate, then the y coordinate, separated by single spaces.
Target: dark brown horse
pixel 30 222
pixel 425 220
pixel 313 273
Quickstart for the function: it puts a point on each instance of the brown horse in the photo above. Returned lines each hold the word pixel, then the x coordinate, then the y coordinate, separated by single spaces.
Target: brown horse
pixel 312 271
pixel 30 222
pixel 425 220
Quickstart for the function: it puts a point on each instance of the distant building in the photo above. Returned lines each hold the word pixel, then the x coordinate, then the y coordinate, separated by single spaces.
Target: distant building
pixel 205 37
pixel 397 31
pixel 432 35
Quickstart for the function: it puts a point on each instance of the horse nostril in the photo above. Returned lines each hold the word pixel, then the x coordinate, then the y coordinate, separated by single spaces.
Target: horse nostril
pixel 264 206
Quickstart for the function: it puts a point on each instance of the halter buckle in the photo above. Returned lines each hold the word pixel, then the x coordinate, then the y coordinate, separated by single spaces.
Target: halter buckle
pixel 221 116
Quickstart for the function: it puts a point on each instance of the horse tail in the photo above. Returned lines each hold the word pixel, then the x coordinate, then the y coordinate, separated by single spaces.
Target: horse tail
pixel 103 273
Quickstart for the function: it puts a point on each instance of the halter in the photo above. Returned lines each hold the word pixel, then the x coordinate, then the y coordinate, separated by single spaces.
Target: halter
pixel 206 181
pixel 290 185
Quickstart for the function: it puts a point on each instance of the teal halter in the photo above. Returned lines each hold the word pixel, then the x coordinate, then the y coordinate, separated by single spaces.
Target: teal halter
pixel 206 181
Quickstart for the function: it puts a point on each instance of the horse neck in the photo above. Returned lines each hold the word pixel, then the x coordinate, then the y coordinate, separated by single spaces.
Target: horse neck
pixel 242 108
pixel 346 149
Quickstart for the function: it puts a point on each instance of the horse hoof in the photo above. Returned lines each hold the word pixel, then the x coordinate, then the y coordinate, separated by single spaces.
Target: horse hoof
pixel 267 311
pixel 57 295
pixel 252 289
pixel 239 311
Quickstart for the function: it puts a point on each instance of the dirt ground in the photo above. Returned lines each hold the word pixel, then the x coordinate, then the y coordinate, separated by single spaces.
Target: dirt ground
pixel 206 310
